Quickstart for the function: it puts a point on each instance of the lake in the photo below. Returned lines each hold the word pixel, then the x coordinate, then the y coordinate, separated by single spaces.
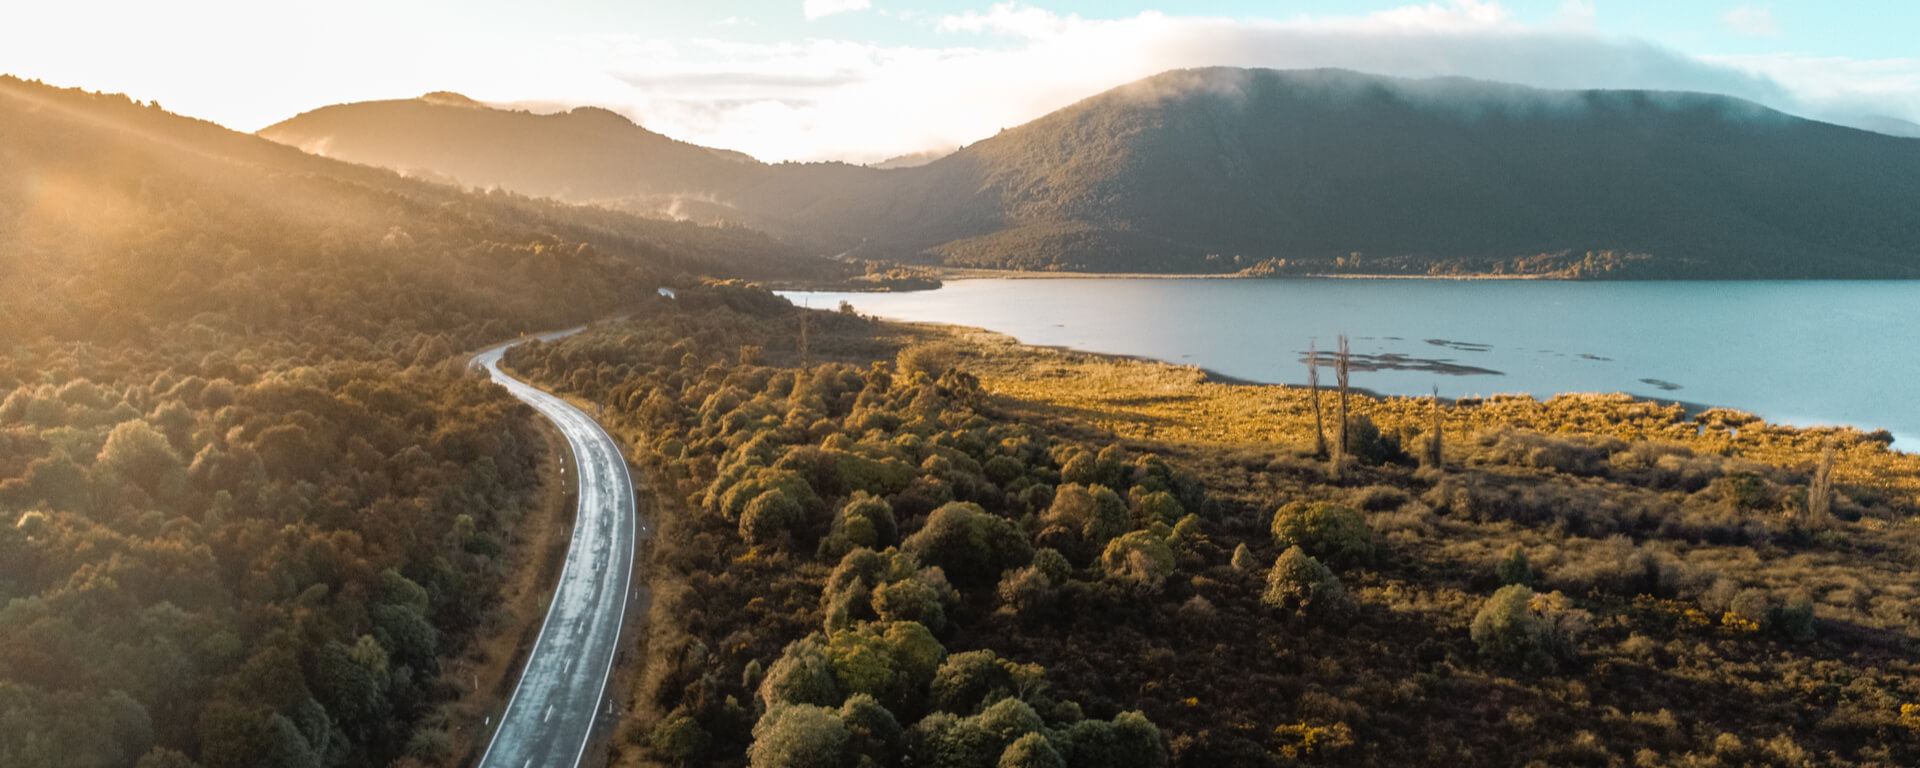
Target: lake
pixel 1797 352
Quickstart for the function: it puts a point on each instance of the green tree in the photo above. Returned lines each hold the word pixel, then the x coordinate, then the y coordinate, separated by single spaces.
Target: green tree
pixel 798 736
pixel 1031 751
pixel 1299 583
pixel 972 546
pixel 803 675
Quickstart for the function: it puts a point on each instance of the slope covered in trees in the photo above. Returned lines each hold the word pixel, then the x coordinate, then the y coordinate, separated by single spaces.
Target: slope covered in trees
pixel 1269 172
pixel 870 552
pixel 249 499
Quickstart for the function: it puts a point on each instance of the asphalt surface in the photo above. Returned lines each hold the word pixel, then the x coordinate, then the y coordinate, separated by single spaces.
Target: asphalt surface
pixel 554 708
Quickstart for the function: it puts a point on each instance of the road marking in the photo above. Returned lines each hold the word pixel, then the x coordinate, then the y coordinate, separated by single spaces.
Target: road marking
pixel 549 714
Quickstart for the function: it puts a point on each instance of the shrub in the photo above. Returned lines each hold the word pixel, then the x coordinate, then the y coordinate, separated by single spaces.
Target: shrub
pixel 1371 446
pixel 1243 559
pixel 798 736
pixel 1513 568
pixel 1331 533
pixel 1517 626
pixel 1505 628
pixel 1299 583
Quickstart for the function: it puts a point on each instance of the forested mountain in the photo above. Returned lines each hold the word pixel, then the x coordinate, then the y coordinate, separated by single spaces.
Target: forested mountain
pixel 1269 171
pixel 248 499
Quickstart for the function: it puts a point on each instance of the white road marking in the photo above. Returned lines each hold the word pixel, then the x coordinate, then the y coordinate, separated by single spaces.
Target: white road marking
pixel 585 615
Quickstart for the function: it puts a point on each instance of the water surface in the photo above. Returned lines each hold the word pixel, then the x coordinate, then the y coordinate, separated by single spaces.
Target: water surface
pixel 1798 352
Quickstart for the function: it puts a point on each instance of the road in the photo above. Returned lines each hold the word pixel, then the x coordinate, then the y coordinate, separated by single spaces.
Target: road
pixel 551 715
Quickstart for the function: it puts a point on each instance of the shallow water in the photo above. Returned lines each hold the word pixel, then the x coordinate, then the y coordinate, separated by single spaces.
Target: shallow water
pixel 1798 352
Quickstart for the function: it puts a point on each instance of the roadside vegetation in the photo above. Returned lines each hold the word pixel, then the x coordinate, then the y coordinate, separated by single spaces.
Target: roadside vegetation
pixel 931 547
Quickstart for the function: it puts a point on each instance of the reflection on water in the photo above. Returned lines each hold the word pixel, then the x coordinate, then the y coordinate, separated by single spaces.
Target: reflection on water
pixel 1800 352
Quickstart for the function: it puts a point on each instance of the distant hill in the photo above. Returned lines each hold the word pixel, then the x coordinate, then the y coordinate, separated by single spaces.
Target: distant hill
pixel 1284 172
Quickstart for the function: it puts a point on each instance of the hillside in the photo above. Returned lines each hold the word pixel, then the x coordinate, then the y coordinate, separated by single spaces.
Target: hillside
pixel 930 546
pixel 251 505
pixel 1222 170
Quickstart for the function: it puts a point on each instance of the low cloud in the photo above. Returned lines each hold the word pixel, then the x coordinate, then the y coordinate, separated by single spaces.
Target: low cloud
pixel 839 100
pixel 1752 22
pixel 815 9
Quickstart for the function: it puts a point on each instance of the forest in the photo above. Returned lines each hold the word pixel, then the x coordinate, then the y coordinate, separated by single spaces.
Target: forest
pixel 252 500
pixel 886 545
pixel 253 505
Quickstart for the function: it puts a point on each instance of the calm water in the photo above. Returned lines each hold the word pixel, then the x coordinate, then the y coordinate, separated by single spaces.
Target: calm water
pixel 1803 353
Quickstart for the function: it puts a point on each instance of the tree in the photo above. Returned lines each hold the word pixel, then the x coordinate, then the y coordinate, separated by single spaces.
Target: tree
pixel 803 675
pixel 138 452
pixel 1140 559
pixel 1299 584
pixel 1031 751
pixel 872 731
pixel 798 736
pixel 1329 532
pixel 770 517
pixel 972 546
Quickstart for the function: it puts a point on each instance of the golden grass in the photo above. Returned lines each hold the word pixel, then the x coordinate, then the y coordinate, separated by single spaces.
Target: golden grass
pixel 1147 400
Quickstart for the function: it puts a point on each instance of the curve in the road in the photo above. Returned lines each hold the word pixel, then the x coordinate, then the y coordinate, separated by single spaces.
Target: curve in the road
pixel 551 715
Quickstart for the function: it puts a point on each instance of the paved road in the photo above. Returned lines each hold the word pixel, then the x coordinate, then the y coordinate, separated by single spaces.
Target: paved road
pixel 551 715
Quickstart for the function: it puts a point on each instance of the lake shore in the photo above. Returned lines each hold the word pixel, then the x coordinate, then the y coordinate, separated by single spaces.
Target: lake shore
pixel 973 273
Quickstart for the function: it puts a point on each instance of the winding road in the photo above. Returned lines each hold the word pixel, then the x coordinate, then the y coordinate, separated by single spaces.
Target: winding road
pixel 552 713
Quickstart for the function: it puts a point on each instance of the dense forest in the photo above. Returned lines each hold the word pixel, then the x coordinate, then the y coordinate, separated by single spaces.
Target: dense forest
pixel 867 554
pixel 251 498
pixel 1264 172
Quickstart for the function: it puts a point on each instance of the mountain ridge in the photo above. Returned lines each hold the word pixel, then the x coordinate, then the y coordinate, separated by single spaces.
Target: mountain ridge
pixel 1274 172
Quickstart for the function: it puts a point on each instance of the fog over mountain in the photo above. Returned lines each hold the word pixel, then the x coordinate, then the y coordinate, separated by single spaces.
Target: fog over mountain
pixel 1227 169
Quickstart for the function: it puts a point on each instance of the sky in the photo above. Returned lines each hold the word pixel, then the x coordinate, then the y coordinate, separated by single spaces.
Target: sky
pixel 862 80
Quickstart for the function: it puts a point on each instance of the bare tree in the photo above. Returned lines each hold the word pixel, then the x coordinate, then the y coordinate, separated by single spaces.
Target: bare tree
pixel 1313 383
pixel 1340 363
pixel 1433 439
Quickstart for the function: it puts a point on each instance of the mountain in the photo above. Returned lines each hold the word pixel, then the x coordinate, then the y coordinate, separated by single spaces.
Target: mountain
pixel 1307 171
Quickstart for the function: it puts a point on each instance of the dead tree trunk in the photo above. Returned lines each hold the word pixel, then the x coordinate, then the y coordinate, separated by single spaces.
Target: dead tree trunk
pixel 803 339
pixel 1433 440
pixel 1820 492
pixel 1313 383
pixel 1340 370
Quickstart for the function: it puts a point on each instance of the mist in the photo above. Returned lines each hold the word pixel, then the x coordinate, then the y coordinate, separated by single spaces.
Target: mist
pixel 837 100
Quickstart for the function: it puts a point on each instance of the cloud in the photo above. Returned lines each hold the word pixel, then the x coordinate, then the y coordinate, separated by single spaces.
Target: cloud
pixel 1752 22
pixel 821 99
pixel 815 9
